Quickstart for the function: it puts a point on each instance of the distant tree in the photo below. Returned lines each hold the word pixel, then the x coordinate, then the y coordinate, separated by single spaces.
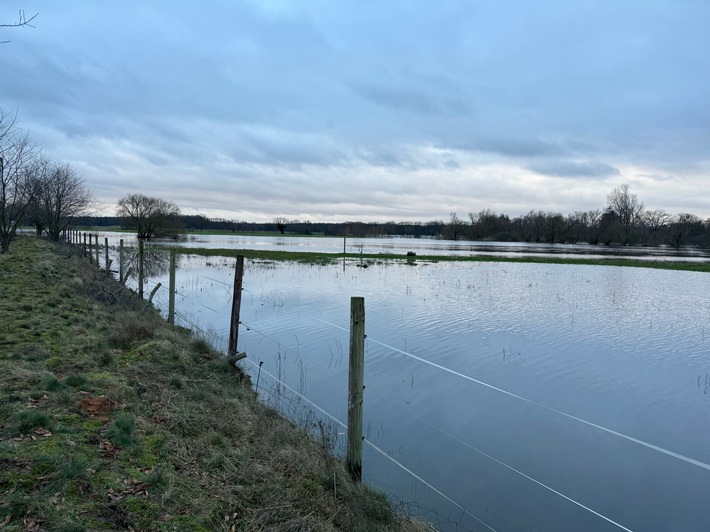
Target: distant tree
pixel 655 221
pixel 281 223
pixel 682 227
pixel 627 209
pixel 151 217
pixel 454 227
pixel 19 186
pixel 554 227
pixel 593 219
pixel 533 226
pixel 63 196
pixel 577 227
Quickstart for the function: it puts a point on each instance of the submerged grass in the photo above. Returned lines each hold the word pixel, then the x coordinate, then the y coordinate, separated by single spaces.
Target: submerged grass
pixel 110 419
pixel 328 258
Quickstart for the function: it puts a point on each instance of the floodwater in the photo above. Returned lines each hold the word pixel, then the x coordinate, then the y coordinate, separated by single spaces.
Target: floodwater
pixel 522 396
pixel 420 246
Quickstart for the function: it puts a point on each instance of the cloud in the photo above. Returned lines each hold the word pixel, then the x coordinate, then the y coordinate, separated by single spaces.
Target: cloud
pixel 567 168
pixel 388 109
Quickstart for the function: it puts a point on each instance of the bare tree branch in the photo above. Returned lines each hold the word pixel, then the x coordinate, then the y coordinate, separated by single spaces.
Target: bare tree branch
pixel 21 22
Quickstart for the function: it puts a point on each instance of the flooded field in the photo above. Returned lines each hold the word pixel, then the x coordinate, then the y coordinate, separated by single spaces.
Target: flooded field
pixel 525 396
pixel 420 246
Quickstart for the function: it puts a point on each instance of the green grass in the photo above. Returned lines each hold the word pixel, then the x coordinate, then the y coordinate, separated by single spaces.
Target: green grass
pixel 112 419
pixel 328 258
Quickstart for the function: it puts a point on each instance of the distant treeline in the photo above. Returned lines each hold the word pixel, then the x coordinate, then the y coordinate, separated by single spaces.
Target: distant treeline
pixel 624 221
pixel 593 227
pixel 202 223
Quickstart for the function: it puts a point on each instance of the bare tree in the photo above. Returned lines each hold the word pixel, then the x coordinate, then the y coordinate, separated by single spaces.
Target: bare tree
pixel 151 217
pixel 41 169
pixel 281 223
pixel 627 208
pixel 625 205
pixel 21 21
pixel 654 221
pixel 453 228
pixel 63 197
pixel 18 184
pixel 682 227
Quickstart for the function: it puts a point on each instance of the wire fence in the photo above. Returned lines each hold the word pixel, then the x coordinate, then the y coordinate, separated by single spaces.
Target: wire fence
pixel 297 406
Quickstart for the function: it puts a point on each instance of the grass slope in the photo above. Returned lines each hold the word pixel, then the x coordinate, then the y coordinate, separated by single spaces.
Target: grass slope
pixel 112 419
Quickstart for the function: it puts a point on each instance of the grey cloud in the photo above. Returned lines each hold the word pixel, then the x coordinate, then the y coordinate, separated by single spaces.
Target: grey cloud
pixel 267 96
pixel 567 168
pixel 512 147
pixel 405 98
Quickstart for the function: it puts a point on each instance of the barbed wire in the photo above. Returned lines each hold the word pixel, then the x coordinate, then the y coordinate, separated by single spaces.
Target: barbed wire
pixel 373 446
pixel 299 353
pixel 613 432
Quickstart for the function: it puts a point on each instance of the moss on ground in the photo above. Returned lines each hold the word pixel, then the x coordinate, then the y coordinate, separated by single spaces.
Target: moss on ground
pixel 107 421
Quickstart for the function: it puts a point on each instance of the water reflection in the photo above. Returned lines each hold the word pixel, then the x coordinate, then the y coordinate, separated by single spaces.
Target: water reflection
pixel 624 348
pixel 401 246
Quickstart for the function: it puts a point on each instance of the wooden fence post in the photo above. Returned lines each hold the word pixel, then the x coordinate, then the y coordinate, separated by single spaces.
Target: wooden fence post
pixel 140 268
pixel 355 387
pixel 236 306
pixel 84 247
pixel 106 253
pixel 171 298
pixel 90 249
pixel 98 249
pixel 120 261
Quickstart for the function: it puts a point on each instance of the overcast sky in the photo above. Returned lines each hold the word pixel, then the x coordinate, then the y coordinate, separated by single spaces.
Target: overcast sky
pixel 369 110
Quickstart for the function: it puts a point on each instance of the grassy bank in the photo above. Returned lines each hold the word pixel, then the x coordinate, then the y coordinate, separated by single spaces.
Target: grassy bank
pixel 327 258
pixel 112 419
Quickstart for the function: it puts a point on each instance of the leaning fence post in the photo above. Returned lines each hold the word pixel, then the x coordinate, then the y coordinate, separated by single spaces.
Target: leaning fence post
pixel 355 387
pixel 140 268
pixel 171 298
pixel 236 304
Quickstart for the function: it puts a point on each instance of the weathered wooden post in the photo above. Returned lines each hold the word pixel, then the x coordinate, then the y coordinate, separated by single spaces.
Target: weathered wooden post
pixel 120 261
pixel 90 249
pixel 236 305
pixel 171 298
pixel 98 249
pixel 140 268
pixel 355 387
pixel 84 246
pixel 106 252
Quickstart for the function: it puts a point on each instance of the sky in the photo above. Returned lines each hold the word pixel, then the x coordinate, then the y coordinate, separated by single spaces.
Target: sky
pixel 368 110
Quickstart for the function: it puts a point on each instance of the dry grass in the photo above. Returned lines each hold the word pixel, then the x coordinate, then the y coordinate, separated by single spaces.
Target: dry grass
pixel 110 419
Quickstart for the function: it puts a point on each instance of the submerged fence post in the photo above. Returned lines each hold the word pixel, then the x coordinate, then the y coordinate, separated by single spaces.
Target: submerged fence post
pixel 356 387
pixel 140 268
pixel 236 305
pixel 171 298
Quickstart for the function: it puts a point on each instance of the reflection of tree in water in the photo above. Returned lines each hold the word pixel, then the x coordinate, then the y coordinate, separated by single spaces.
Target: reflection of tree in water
pixel 156 262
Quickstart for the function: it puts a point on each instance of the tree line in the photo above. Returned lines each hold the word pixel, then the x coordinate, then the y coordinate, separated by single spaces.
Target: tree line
pixel 624 221
pixel 34 190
